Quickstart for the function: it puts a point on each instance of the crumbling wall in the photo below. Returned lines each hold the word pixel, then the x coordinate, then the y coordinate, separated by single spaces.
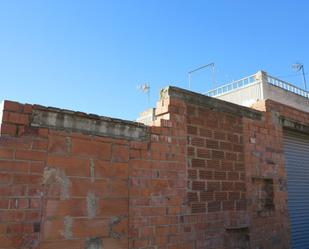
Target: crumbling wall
pixel 206 174
pixel 64 178
pixel 22 160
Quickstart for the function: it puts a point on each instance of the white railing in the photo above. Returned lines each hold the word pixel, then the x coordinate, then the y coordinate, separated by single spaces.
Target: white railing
pixel 232 86
pixel 287 86
pixel 250 80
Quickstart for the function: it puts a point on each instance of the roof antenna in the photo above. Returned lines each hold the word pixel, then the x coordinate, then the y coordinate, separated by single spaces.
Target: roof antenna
pixel 297 67
pixel 145 88
pixel 212 65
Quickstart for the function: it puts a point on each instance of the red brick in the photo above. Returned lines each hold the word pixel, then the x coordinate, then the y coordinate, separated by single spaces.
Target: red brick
pixel 91 149
pixel 153 211
pixel 233 176
pixel 205 174
pixel 113 207
pixel 240 186
pixel 198 163
pixel 53 229
pixel 58 145
pixel 106 169
pixel 225 146
pixel 205 132
pixel 30 155
pixel 66 244
pixel 5 178
pixel 228 205
pixel 71 166
pixel 213 164
pixel 198 185
pixel 39 145
pixel 192 197
pixel 197 141
pixel 217 154
pixel 192 130
pixel 27 108
pixel 220 196
pixel 26 179
pixel 213 144
pixel 118 188
pixel 220 175
pixel 192 174
pixel 234 195
pixel 213 186
pixel 4 203
pixel 228 186
pixel 11 106
pixel 8 129
pixel 190 151
pixel 214 206
pixel 204 153
pixel 207 196
pixel 120 153
pixel 85 228
pixel 241 205
pixel 6 153
pixel 81 187
pixel 198 207
pixel 15 118
pixel 219 135
pixel 14 166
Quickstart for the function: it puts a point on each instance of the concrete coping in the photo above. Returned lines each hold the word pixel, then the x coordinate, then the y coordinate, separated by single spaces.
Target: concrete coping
pixel 91 124
pixel 212 103
pixel 293 125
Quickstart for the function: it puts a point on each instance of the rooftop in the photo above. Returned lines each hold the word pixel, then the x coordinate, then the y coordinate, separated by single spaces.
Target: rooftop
pixel 262 86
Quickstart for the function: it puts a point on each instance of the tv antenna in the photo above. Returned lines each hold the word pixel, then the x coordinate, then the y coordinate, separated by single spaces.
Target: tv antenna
pixel 212 65
pixel 300 67
pixel 145 88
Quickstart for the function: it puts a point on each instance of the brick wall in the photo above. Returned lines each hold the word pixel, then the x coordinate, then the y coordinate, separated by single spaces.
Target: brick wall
pixel 207 174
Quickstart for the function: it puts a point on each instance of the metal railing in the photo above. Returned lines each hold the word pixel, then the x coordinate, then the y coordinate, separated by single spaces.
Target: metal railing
pixel 232 86
pixel 287 86
pixel 250 80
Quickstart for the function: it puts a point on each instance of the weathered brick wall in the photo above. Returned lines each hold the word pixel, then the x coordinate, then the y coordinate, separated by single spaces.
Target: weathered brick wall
pixel 266 177
pixel 21 168
pixel 60 189
pixel 266 184
pixel 207 174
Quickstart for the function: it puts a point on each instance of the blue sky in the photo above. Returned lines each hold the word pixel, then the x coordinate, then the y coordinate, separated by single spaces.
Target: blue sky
pixel 91 55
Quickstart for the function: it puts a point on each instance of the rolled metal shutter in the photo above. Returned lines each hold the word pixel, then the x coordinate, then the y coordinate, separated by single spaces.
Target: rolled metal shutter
pixel 296 152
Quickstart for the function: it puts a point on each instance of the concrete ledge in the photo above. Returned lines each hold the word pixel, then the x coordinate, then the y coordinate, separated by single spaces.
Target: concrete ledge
pixel 293 125
pixel 212 103
pixel 91 124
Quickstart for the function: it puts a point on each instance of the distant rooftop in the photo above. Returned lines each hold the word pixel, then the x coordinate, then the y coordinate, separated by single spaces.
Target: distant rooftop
pixel 261 86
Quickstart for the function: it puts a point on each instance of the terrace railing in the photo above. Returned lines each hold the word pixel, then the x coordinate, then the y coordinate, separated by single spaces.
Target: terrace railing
pixel 250 80
pixel 232 86
pixel 287 86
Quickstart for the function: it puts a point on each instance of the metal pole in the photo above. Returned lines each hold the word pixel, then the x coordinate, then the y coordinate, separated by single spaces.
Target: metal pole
pixel 213 75
pixel 148 95
pixel 199 68
pixel 304 77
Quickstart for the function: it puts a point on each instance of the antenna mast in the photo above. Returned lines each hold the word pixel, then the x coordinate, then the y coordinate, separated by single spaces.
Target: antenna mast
pixel 212 65
pixel 297 67
pixel 145 88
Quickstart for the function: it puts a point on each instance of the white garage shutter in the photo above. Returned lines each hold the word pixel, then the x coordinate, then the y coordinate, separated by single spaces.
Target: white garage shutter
pixel 296 152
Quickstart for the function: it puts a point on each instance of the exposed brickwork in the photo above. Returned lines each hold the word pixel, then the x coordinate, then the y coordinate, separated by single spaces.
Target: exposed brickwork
pixel 215 161
pixel 207 174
